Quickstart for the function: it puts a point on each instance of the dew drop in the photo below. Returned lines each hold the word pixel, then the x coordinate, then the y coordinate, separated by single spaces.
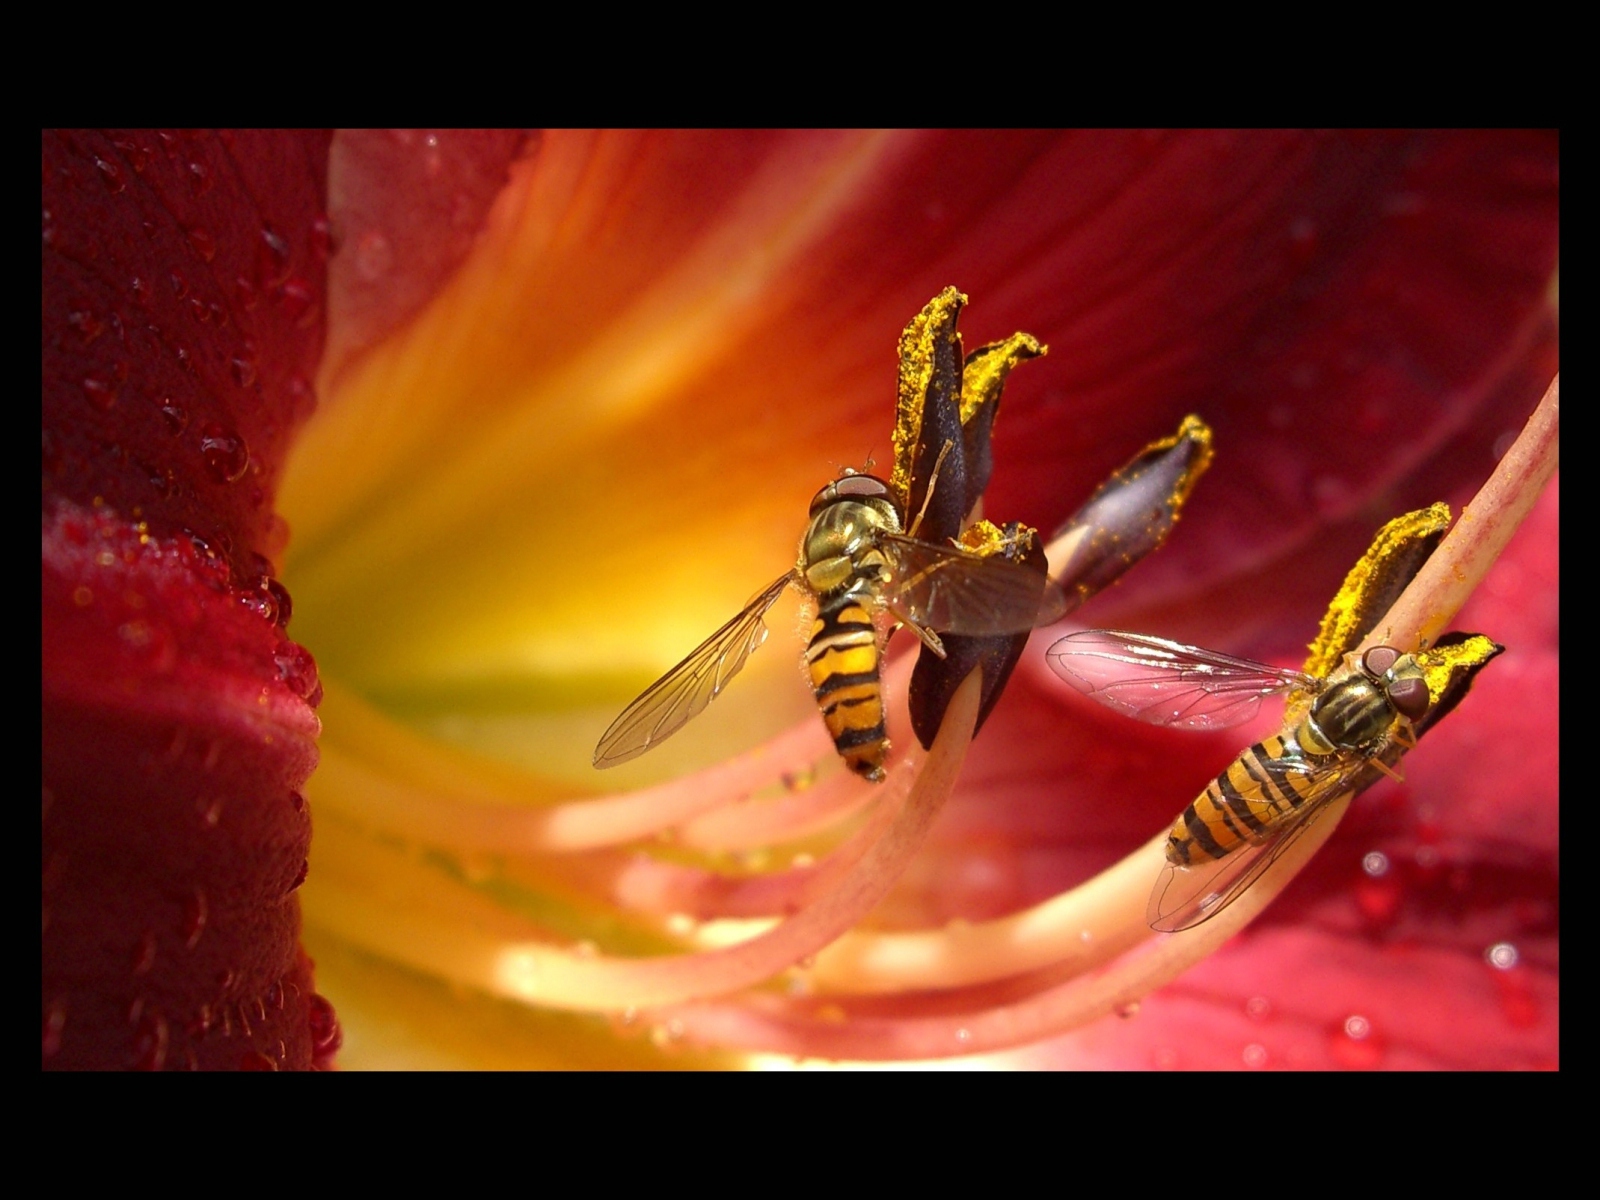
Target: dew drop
pixel 210 812
pixel 88 325
pixel 1355 1045
pixel 243 369
pixel 144 955
pixel 1255 1056
pixel 1258 1008
pixel 150 1043
pixel 296 300
pixel 180 283
pixel 1502 956
pixel 321 239
pixel 254 1060
pixel 323 1022
pixel 199 178
pixel 204 244
pixel 283 604
pixel 298 670
pixel 964 1036
pixel 110 175
pixel 666 1035
pixel 261 604
pixel 297 801
pixel 272 259
pixel 246 294
pixel 194 918
pixel 82 596
pixel 102 392
pixel 1128 1010
pixel 226 455
pixel 1375 864
pixel 200 1024
pixel 300 875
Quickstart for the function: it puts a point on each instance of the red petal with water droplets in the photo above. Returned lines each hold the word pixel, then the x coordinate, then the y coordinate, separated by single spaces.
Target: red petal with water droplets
pixel 181 315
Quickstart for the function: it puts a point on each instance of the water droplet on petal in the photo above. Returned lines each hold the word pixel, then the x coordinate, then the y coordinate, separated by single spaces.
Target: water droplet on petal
pixel 326 1035
pixel 144 956
pixel 110 175
pixel 254 1060
pixel 296 299
pixel 1258 1008
pixel 102 392
pixel 272 259
pixel 283 604
pixel 298 671
pixel 199 178
pixel 1502 956
pixel 1130 1009
pixel 194 918
pixel 1355 1045
pixel 204 244
pixel 1255 1056
pixel 226 455
pixel 87 324
pixel 150 1043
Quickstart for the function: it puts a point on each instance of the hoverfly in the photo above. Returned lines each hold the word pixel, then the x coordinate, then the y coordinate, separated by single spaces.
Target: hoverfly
pixel 1275 790
pixel 863 572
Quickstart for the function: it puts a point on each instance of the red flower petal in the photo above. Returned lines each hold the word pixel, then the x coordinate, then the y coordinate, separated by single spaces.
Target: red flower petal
pixel 181 316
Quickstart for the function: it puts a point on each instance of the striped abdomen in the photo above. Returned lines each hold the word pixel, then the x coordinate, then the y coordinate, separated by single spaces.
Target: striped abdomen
pixel 1245 804
pixel 843 659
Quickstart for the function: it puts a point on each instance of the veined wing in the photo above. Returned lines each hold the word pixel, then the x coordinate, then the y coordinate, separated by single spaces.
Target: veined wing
pixel 669 703
pixel 951 591
pixel 1168 683
pixel 1184 897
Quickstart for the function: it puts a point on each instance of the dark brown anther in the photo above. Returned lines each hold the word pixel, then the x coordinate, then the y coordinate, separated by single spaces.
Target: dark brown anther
pixel 935 680
pixel 1131 513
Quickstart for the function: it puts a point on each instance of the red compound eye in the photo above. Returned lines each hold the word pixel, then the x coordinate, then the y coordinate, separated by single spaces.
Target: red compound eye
pixel 1379 659
pixel 1409 697
pixel 861 485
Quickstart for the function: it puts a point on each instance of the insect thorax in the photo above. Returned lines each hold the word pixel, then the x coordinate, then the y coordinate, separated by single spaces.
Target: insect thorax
pixel 1356 712
pixel 840 546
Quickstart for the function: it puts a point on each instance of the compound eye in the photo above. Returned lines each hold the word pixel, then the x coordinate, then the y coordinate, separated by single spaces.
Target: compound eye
pixel 1409 697
pixel 858 486
pixel 824 498
pixel 1379 660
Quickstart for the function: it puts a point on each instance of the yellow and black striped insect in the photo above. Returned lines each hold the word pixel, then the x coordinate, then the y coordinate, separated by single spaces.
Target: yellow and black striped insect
pixel 866 574
pixel 1355 718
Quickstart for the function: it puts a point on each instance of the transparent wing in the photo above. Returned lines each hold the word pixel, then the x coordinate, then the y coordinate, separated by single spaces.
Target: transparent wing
pixel 950 591
pixel 669 703
pixel 1184 897
pixel 1168 683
